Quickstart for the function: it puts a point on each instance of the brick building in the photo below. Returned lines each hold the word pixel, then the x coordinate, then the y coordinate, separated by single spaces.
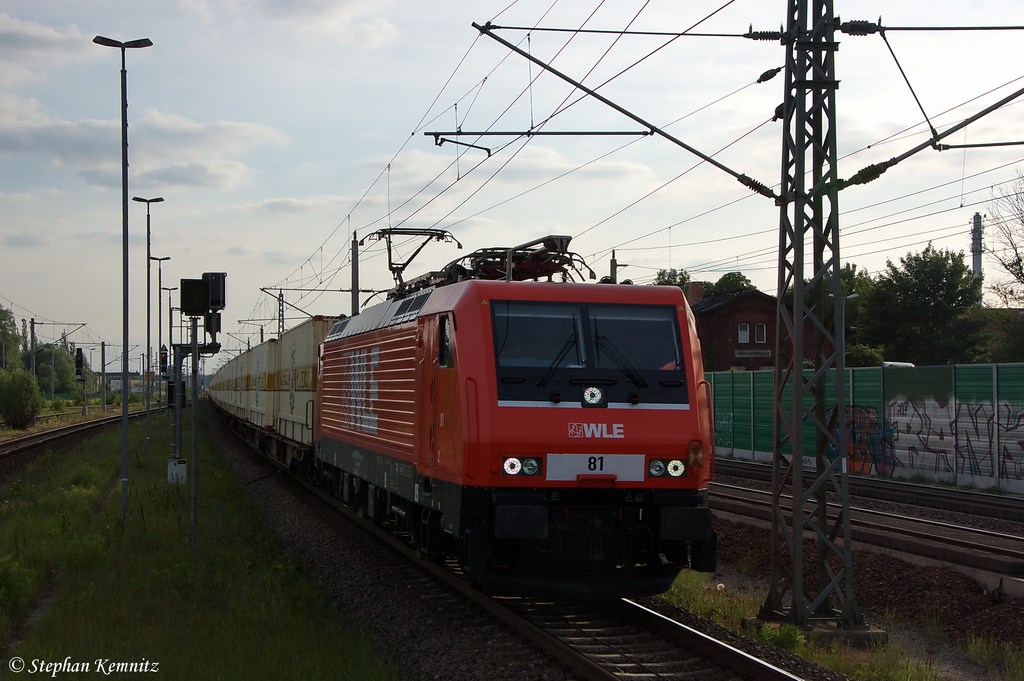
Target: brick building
pixel 737 330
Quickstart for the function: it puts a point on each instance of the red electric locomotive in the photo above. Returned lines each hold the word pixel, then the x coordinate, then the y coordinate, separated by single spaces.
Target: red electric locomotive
pixel 555 438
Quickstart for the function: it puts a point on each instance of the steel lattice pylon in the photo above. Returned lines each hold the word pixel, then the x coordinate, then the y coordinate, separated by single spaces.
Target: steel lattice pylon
pixel 810 315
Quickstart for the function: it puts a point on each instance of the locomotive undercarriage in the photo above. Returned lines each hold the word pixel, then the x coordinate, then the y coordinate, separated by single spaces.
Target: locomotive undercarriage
pixel 590 545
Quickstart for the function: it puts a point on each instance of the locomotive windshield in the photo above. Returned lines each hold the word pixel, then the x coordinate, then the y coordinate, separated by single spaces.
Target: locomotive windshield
pixel 648 337
pixel 550 352
pixel 530 335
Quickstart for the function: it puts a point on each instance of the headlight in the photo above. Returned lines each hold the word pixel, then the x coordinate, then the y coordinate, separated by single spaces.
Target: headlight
pixel 513 465
pixel 676 468
pixel 656 468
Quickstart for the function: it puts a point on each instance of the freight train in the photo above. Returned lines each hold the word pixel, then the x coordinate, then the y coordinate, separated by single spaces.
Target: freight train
pixel 553 437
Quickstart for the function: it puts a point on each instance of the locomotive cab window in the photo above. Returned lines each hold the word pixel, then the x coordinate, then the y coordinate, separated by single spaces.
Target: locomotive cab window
pixel 646 338
pixel 444 341
pixel 528 334
pixel 551 352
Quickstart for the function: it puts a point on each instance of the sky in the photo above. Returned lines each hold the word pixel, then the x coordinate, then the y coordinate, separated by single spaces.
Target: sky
pixel 274 130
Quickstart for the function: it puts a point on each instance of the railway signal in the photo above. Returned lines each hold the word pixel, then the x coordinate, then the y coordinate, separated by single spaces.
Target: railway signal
pixel 205 298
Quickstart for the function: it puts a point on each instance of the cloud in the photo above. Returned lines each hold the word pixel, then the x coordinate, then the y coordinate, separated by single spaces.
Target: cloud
pixel 310 204
pixel 211 174
pixel 357 22
pixel 159 135
pixel 278 257
pixel 24 240
pixel 165 148
pixel 26 42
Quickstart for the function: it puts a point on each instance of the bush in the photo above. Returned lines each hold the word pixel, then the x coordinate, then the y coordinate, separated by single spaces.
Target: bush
pixel 20 401
pixel 134 398
pixel 113 397
pixel 58 404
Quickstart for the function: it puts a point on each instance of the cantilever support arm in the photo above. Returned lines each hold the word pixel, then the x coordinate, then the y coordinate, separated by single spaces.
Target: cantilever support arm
pixel 438 140
pixel 871 172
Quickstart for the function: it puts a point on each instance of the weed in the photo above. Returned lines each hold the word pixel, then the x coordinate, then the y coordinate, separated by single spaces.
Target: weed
pixel 787 636
pixel 1002 659
pixel 882 663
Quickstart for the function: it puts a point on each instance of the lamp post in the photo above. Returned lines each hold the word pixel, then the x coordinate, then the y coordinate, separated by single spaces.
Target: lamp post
pixel 159 316
pixel 149 345
pixel 108 42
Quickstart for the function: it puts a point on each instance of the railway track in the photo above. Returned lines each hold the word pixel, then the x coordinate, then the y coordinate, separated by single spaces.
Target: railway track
pixel 995 552
pixel 53 436
pixel 896 491
pixel 73 412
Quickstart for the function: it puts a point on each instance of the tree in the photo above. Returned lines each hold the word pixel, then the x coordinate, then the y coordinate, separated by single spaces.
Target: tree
pixel 730 282
pixel 863 356
pixel 1006 219
pixel 10 341
pixel 919 312
pixel 856 285
pixel 55 368
pixel 672 277
pixel 20 401
pixel 1004 335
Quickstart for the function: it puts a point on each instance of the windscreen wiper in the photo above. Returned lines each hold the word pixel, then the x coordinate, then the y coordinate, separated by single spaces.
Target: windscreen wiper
pixel 553 368
pixel 620 361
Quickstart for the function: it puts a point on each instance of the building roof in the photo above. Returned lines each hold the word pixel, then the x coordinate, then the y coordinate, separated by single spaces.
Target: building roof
pixel 720 301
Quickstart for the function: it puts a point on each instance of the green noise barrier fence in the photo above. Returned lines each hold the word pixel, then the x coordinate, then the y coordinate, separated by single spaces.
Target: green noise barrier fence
pixel 953 424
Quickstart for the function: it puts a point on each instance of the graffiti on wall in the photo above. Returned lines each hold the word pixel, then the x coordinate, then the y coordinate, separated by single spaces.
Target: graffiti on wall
pixel 869 445
pixel 937 436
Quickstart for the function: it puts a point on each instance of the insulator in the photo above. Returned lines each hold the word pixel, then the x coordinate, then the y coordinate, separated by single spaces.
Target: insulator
pixel 763 35
pixel 769 74
pixel 859 27
pixel 756 186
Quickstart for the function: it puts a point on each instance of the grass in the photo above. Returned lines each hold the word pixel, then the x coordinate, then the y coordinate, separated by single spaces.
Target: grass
pixel 1003 660
pixel 64 417
pixel 134 590
pixel 733 607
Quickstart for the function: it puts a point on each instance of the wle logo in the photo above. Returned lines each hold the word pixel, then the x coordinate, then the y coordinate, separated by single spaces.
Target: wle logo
pixel 603 430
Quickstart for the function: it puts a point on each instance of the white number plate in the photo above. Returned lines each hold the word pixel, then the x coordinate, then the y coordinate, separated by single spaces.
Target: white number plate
pixel 626 467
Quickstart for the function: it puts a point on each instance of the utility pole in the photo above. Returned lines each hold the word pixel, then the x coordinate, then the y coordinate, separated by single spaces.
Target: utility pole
pixel 355 275
pixel 976 247
pixel 280 313
pixel 615 267
pixel 814 321
pixel 103 376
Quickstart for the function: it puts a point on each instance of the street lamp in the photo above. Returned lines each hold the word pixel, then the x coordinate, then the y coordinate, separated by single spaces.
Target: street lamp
pixel 125 388
pixel 159 315
pixel 149 345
